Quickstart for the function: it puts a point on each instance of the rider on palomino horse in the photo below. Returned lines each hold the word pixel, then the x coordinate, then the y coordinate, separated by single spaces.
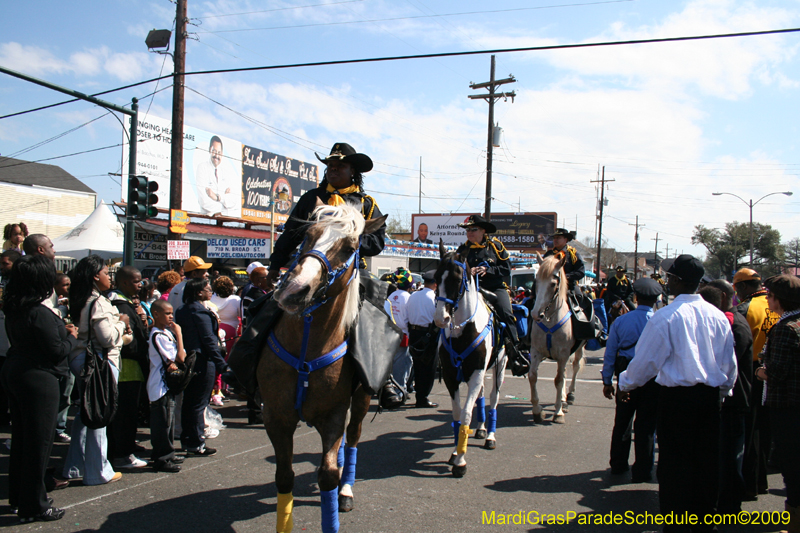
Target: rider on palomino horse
pixel 488 258
pixel 342 183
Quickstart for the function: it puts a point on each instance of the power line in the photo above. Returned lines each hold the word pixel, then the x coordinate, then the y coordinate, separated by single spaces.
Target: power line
pixel 417 17
pixel 276 9
pixel 430 56
pixel 61 156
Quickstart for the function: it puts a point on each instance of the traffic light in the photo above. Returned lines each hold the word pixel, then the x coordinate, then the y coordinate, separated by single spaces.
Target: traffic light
pixel 152 199
pixel 142 199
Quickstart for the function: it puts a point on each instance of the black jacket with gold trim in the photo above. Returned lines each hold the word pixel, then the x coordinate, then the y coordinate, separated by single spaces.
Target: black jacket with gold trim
pixel 295 228
pixel 492 251
pixel 573 267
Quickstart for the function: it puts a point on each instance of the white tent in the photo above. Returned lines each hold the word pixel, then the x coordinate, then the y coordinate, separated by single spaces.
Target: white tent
pixel 100 234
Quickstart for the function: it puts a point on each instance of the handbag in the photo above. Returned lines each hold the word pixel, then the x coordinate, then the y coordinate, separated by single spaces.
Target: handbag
pixel 176 380
pixel 98 387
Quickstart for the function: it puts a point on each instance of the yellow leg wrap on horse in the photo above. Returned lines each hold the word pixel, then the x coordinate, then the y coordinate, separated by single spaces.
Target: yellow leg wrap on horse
pixel 463 436
pixel 285 506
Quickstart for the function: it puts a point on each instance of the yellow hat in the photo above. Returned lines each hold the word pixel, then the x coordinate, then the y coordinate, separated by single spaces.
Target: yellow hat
pixel 194 262
pixel 745 274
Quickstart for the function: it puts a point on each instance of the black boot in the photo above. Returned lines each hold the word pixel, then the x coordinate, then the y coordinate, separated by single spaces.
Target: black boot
pixel 517 362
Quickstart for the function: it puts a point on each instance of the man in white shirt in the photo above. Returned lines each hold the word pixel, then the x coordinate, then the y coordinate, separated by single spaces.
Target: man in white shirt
pixel 217 191
pixel 420 308
pixel 395 307
pixel 688 348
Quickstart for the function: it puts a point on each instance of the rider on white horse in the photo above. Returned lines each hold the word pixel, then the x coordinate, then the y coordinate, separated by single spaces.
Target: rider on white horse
pixel 487 258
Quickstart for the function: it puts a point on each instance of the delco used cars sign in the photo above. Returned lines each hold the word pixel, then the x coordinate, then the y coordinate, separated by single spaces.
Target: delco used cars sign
pixel 233 248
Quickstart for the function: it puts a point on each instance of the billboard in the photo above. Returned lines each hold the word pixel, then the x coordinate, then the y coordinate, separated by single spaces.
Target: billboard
pixel 265 174
pixel 515 230
pixel 221 176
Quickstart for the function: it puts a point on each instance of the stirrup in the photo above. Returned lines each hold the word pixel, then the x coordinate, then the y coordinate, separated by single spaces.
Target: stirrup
pixel 517 363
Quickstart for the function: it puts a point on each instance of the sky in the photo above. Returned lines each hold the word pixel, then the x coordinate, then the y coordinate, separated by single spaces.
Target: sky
pixel 670 122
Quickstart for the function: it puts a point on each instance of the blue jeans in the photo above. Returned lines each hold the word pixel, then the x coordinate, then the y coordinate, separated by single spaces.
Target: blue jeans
pixel 65 385
pixel 401 368
pixel 87 455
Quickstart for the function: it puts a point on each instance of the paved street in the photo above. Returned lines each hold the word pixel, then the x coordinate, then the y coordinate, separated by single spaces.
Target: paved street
pixel 403 481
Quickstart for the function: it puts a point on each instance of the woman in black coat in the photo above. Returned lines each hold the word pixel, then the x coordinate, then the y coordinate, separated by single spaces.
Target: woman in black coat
pixel 40 343
pixel 200 328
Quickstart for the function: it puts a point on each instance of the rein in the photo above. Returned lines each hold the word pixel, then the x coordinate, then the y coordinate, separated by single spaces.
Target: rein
pixel 320 298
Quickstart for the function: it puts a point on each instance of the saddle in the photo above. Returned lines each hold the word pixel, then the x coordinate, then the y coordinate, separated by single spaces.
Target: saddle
pixel 372 343
pixel 586 325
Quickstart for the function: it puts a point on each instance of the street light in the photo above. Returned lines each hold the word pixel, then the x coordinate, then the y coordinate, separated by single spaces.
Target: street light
pixel 751 203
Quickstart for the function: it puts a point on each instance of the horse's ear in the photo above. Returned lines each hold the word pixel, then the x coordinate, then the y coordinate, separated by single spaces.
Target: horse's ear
pixel 562 262
pixel 320 203
pixel 539 257
pixel 442 249
pixel 374 224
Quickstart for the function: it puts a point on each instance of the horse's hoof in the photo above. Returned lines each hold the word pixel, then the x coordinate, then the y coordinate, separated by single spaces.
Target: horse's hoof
pixel 565 407
pixel 480 434
pixel 570 398
pixel 452 459
pixel 490 444
pixel 346 503
pixel 459 471
pixel 558 419
pixel 538 419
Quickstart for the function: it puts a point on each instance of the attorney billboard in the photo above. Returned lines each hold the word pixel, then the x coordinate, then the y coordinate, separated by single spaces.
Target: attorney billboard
pixel 515 230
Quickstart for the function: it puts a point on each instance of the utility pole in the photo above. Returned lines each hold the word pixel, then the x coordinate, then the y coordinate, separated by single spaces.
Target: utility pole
pixel 636 248
pixel 657 263
pixel 666 256
pixel 491 97
pixel 419 209
pixel 602 181
pixel 176 157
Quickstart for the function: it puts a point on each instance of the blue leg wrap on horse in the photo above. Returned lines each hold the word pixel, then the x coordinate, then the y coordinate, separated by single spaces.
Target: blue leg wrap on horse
pixel 349 471
pixel 456 429
pixel 480 410
pixel 340 457
pixel 491 427
pixel 330 510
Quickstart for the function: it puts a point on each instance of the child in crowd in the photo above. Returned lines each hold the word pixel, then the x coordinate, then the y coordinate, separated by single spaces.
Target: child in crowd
pixel 166 345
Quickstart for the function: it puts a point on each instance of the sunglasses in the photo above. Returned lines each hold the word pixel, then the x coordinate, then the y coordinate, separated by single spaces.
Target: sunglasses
pixel 472 230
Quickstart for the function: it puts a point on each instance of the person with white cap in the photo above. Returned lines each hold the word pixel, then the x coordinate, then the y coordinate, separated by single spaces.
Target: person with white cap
pixel 194 268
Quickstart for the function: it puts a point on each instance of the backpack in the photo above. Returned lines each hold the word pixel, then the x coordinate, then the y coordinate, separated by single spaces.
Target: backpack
pixel 176 380
pixel 97 385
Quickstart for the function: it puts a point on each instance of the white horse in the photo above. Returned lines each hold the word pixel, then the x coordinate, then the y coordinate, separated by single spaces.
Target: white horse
pixel 465 349
pixel 551 335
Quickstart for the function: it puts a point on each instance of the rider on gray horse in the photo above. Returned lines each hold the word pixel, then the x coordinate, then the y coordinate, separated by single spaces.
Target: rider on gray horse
pixel 488 258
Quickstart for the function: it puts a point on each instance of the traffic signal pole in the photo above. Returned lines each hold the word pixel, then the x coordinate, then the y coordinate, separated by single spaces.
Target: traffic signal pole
pixel 127 247
pixel 133 112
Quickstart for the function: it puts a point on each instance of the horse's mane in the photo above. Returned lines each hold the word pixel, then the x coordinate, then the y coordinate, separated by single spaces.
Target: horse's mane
pixel 347 221
pixel 547 268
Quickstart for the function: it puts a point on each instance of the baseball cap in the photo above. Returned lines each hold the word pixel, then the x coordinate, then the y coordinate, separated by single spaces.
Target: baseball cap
pixel 194 263
pixel 785 287
pixel 687 268
pixel 252 266
pixel 646 287
pixel 745 274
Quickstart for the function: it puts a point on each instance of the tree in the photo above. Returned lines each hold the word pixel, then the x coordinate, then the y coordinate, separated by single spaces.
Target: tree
pixel 791 251
pixel 394 225
pixel 729 249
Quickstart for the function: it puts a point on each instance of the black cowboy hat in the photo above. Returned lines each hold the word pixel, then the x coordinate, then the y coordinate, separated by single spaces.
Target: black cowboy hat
pixel 570 235
pixel 477 220
pixel 344 152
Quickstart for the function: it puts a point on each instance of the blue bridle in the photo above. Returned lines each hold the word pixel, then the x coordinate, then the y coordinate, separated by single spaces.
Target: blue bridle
pixel 320 298
pixel 457 359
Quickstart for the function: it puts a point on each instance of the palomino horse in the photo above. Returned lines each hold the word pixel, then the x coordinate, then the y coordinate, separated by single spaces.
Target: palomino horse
pixel 551 335
pixel 465 349
pixel 305 372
